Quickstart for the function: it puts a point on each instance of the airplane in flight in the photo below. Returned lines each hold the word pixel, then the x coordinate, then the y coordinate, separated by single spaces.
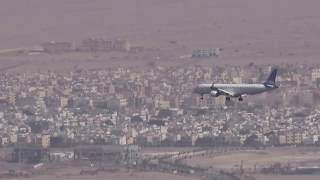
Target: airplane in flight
pixel 237 90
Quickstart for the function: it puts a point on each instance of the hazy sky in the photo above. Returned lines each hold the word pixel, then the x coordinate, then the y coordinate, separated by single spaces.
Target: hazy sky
pixel 29 22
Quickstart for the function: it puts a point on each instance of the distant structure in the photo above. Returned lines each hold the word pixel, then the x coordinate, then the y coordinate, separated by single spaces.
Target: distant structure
pixel 57 47
pixel 315 74
pixel 205 53
pixel 113 153
pixel 100 45
pixel 87 45
pixel 30 155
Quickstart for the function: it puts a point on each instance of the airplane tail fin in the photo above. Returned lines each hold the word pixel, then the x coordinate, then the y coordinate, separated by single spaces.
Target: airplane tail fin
pixel 272 77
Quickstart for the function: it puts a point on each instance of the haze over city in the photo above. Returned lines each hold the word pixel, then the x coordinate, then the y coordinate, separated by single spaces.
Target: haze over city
pixel 103 89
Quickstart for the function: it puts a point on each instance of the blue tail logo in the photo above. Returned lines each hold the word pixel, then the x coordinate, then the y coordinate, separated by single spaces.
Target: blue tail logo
pixel 272 78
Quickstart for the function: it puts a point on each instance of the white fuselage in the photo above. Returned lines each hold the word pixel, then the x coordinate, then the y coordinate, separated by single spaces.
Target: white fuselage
pixel 232 90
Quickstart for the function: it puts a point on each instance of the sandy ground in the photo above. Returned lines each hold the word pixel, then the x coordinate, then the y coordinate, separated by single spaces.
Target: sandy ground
pixel 120 176
pixel 297 177
pixel 260 157
pixel 71 171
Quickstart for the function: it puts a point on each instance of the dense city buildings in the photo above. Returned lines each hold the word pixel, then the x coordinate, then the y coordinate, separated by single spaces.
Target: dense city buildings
pixel 156 107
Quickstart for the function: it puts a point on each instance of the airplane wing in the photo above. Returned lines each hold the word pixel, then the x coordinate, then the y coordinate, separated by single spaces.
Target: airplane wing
pixel 226 92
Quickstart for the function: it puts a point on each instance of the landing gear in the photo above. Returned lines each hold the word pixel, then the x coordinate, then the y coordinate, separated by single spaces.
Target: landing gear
pixel 228 98
pixel 240 98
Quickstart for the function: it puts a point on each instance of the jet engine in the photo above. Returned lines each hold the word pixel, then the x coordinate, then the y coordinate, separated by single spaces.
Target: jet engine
pixel 214 93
